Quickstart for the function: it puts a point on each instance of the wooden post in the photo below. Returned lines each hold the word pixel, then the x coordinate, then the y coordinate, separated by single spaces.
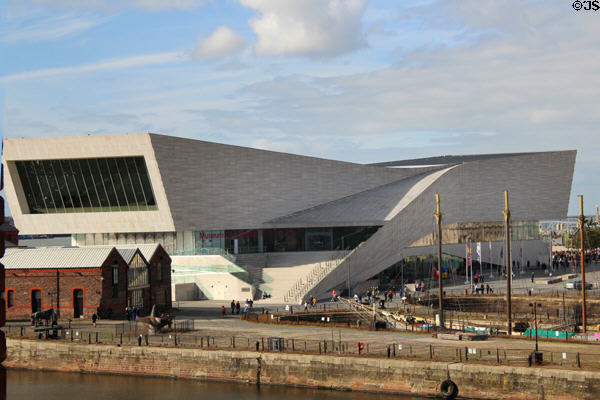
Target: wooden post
pixel 506 213
pixel 438 217
pixel 581 237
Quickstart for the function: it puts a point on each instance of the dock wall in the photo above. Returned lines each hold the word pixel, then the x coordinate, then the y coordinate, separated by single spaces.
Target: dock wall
pixel 320 371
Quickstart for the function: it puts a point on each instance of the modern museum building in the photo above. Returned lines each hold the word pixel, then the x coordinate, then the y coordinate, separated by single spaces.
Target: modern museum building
pixel 190 196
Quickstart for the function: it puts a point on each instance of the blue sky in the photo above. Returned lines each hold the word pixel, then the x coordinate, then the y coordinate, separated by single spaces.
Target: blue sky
pixel 354 80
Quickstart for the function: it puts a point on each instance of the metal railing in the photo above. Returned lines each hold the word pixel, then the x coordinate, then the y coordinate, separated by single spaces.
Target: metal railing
pixel 306 283
pixel 469 353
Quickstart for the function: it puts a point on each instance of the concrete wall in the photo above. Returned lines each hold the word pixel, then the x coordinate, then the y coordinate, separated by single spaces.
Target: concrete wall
pixel 185 292
pixel 217 286
pixel 345 373
pixel 84 147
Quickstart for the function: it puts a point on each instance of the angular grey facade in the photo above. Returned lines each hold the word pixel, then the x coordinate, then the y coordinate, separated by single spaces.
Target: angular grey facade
pixel 471 191
pixel 206 194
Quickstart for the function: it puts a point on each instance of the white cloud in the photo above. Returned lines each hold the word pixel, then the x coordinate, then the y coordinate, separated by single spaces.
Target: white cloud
pixel 46 29
pixel 221 43
pixel 112 5
pixel 308 27
pixel 157 5
pixel 119 63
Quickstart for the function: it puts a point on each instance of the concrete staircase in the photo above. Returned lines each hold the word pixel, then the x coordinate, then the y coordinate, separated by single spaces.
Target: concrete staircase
pixel 277 273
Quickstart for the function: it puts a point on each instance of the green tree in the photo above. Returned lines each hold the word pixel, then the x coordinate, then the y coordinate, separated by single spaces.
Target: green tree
pixel 591 237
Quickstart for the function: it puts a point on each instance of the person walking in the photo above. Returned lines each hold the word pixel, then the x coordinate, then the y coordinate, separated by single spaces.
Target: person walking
pixel 94 318
pixel 237 307
pixel 232 306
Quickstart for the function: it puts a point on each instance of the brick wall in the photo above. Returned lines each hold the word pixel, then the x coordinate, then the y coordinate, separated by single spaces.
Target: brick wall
pixel 160 289
pixel 96 284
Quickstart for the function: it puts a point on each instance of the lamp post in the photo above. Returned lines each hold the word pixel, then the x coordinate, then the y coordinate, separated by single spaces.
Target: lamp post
pixel 535 306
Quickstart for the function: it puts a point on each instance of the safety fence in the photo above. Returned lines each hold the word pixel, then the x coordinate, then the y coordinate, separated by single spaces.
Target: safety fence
pixel 466 353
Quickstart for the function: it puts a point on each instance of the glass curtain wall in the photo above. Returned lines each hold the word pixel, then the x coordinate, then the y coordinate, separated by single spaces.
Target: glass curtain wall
pixel 86 185
pixel 482 232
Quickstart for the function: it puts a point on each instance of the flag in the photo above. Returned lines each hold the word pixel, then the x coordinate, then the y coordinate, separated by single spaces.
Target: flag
pixel 479 252
pixel 435 273
pixel 521 250
pixel 469 262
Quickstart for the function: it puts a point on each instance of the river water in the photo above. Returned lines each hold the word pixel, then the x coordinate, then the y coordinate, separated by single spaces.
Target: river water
pixel 34 385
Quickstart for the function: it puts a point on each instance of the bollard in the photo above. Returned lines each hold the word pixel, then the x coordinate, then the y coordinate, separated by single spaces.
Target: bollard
pixel 201 341
pixel 394 349
pixel 497 356
pixel 262 339
pixel 430 352
pixel 89 337
pixel 208 341
pixel 293 346
pixel 389 352
pixel 578 361
pixel 257 345
pixel 233 341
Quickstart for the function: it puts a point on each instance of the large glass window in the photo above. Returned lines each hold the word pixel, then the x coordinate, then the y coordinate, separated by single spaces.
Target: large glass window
pixel 86 185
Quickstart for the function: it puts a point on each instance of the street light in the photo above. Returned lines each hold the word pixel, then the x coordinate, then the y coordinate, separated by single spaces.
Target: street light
pixel 535 306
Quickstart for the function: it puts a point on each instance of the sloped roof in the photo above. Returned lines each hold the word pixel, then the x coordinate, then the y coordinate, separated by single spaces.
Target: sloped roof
pixel 370 207
pixel 127 251
pixel 446 160
pixel 56 257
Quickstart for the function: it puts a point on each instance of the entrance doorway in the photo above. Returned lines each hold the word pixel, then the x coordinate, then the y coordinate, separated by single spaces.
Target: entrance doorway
pixel 36 301
pixel 77 303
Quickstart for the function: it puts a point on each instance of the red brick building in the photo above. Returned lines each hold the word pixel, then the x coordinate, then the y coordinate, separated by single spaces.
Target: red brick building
pixel 159 265
pixel 149 276
pixel 75 281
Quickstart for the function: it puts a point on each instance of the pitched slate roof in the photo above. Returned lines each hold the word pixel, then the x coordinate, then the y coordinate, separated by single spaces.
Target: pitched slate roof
pixel 127 251
pixel 56 257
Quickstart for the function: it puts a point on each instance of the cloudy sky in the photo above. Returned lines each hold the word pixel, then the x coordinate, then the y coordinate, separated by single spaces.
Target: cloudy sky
pixel 353 80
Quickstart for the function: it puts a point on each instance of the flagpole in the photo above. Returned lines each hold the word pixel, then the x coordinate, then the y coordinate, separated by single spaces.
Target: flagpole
pixel 491 262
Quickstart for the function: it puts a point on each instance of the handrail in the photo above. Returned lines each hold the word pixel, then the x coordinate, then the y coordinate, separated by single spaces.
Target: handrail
pixel 320 271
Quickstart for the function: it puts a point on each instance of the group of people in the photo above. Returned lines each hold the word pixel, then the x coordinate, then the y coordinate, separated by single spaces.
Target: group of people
pixel 481 289
pixel 132 313
pixel 310 302
pixel 236 307
pixel 572 258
